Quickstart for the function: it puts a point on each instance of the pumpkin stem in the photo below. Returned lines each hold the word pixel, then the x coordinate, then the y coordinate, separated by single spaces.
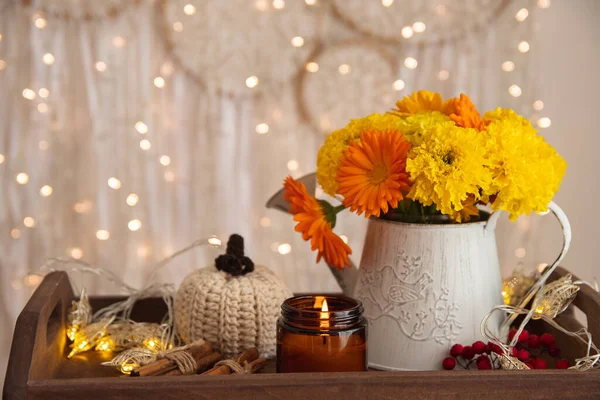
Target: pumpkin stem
pixel 233 261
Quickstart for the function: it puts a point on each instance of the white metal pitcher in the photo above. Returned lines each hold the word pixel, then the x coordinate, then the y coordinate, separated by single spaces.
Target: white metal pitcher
pixel 425 287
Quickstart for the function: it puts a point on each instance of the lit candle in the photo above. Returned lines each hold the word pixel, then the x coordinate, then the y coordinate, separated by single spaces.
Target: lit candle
pixel 321 333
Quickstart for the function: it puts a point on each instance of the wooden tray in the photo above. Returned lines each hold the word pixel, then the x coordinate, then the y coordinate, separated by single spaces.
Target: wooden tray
pixel 39 369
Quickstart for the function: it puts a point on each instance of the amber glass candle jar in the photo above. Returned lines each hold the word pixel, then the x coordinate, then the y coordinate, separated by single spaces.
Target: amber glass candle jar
pixel 321 334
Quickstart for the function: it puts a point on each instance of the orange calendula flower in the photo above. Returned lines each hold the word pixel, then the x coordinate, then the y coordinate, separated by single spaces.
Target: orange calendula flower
pixel 373 173
pixel 464 113
pixel 421 101
pixel 315 221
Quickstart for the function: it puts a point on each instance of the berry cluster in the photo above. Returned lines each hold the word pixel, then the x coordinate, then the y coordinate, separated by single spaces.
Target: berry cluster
pixel 529 349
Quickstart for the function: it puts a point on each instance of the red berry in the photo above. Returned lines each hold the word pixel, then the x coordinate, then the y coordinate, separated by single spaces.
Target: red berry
pixel 562 364
pixel 468 352
pixel 511 334
pixel 484 362
pixel 547 339
pixel 524 336
pixel 514 352
pixel 540 364
pixel 495 348
pixel 487 349
pixel 554 351
pixel 530 365
pixel 523 355
pixel 534 341
pixel 478 347
pixel 449 363
pixel 456 350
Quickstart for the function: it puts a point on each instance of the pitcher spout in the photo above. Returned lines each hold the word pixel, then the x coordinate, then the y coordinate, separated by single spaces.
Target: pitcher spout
pixel 346 277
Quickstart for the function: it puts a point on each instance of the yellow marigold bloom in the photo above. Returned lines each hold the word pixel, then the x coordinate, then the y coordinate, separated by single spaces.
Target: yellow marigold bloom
pixel 373 174
pixel 415 127
pixel 448 167
pixel 330 154
pixel 422 101
pixel 527 171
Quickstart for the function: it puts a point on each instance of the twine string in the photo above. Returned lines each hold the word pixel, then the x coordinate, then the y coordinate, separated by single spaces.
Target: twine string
pixel 236 367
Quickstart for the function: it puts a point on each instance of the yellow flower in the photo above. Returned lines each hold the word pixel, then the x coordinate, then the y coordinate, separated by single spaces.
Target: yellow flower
pixel 527 171
pixel 422 101
pixel 373 174
pixel 415 127
pixel 330 154
pixel 448 167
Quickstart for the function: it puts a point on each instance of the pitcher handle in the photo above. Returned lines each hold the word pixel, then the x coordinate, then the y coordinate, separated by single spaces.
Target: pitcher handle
pixel 566 229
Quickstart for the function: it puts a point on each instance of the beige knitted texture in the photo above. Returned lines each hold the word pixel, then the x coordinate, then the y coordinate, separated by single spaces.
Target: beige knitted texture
pixel 232 313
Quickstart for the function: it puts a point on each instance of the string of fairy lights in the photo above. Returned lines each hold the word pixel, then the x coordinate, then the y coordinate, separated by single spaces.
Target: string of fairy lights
pixel 39 98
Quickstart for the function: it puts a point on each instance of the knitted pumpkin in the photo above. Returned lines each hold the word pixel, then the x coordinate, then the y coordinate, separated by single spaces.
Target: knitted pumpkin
pixel 232 305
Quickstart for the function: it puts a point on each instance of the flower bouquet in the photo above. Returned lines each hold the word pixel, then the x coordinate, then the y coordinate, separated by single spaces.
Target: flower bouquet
pixel 429 270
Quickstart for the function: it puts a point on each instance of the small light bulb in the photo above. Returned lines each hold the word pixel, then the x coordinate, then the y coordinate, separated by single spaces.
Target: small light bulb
pixel 114 183
pixel 344 69
pixel 443 75
pixel 410 63
pixel 46 190
pixel 265 222
pixel 189 9
pixel 2 64
pixel 102 234
pixel 543 3
pixel 520 252
pixel 76 253
pixel 252 81
pixel 284 248
pixel 44 93
pixel 292 165
pixel 29 222
pixel 387 3
pixel 169 176
pixel 143 251
pixel 544 122
pixel 141 127
pixel 101 66
pixel 165 160
pixel 82 206
pixel 508 66
pixel 2 158
pixel 215 241
pixel 22 178
pixel 297 41
pixel 523 47
pixel 33 280
pixel 132 199
pixel 48 59
pixel 344 238
pixel 407 32
pixel 42 108
pixel 178 26
pixel 15 233
pixel 541 267
pixel 134 225
pixel 312 66
pixel 310 2
pixel 145 144
pixel 419 27
pixel 514 90
pixel 28 94
pixel 399 85
pixel 522 14
pixel 40 23
pixel 159 82
pixel 278 4
pixel 538 105
pixel 261 5
pixel 119 41
pixel 167 68
pixel 262 128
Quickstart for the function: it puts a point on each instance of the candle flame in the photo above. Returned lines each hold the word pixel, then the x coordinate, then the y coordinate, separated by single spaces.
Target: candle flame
pixel 324 307
pixel 324 324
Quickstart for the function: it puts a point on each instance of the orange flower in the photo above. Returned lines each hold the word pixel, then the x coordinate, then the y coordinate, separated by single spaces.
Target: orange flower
pixel 315 222
pixel 372 174
pixel 464 114
pixel 421 101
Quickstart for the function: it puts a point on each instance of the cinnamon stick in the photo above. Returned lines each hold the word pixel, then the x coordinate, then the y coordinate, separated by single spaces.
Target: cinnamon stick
pixel 203 364
pixel 198 349
pixel 257 365
pixel 247 356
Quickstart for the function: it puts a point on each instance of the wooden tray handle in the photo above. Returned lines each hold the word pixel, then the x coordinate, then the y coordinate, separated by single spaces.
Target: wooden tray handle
pixel 587 300
pixel 39 339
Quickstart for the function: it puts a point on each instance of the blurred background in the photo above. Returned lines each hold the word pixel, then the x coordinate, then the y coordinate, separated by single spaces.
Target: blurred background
pixel 131 128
